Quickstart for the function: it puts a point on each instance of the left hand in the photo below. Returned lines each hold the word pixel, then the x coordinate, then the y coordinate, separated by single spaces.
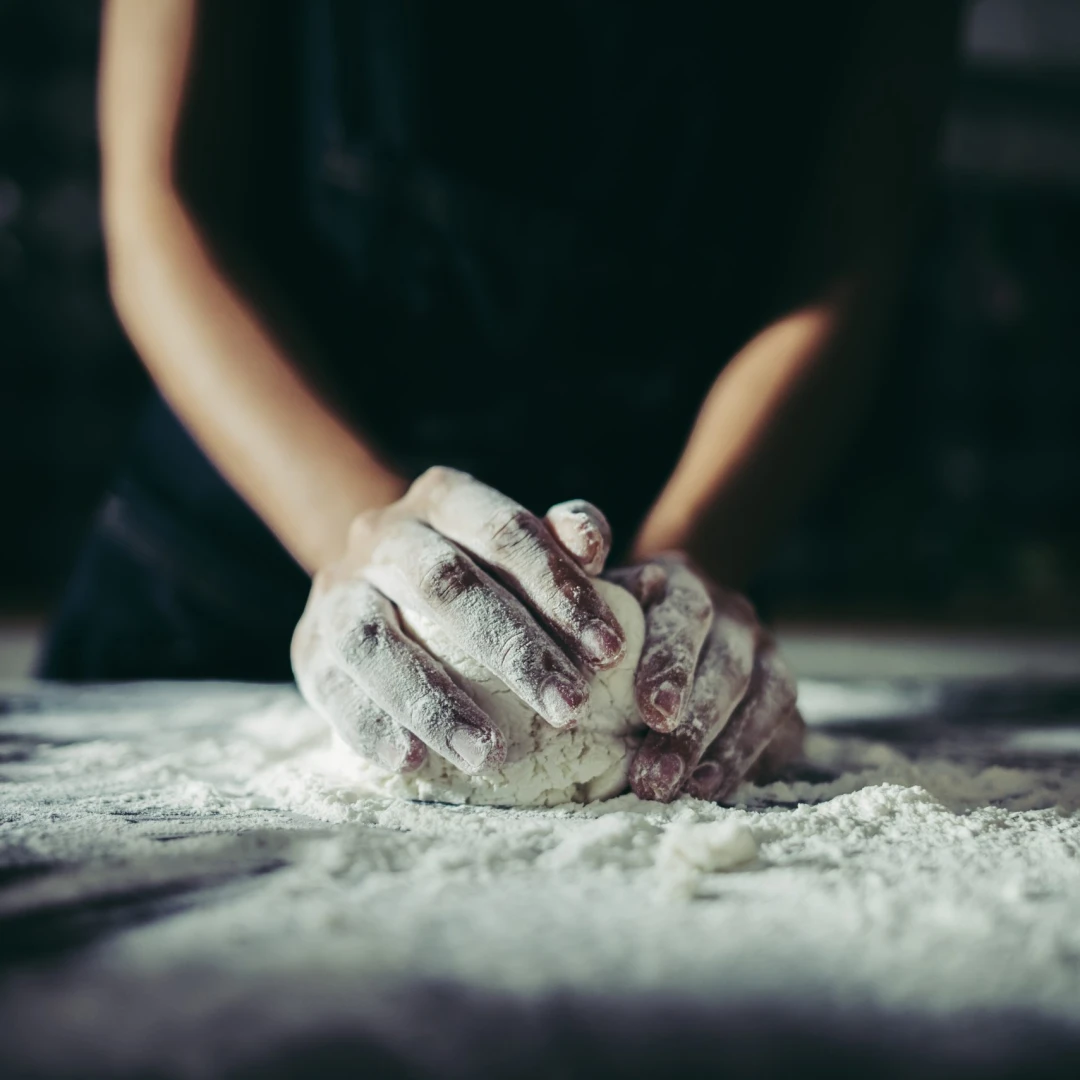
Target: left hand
pixel 710 684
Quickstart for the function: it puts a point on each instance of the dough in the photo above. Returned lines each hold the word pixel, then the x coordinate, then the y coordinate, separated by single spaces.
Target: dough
pixel 544 766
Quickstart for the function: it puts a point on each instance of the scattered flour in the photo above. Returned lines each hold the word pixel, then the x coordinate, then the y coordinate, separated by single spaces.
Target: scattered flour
pixel 686 851
pixel 708 847
pixel 930 880
pixel 544 766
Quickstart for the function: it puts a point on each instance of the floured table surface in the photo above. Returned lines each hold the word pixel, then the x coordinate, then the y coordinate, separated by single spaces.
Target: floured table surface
pixel 191 884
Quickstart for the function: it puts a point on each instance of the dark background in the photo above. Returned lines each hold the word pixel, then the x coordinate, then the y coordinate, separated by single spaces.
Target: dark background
pixel 957 506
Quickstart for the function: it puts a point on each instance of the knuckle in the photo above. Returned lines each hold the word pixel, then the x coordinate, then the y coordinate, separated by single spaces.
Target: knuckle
pixel 363 639
pixel 650 583
pixel 434 479
pixel 512 530
pixel 447 579
pixel 514 650
pixel 361 530
pixel 437 474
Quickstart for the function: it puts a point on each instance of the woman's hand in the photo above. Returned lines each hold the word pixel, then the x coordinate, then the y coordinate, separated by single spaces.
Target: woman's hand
pixel 511 590
pixel 710 685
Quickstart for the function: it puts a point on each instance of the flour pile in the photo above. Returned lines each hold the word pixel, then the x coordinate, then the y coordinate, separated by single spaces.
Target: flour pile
pixel 928 879
pixel 544 766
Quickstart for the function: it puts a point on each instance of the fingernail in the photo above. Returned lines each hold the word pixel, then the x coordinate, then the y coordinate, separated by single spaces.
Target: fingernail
pixel 390 755
pixel 604 646
pixel 588 539
pixel 583 524
pixel 670 770
pixel 657 778
pixel 472 746
pixel 666 700
pixel 590 554
pixel 415 756
pixel 563 700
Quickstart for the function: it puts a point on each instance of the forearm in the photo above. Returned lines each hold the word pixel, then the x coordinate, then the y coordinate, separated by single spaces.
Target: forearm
pixel 301 469
pixel 771 424
pixel 785 405
pixel 230 382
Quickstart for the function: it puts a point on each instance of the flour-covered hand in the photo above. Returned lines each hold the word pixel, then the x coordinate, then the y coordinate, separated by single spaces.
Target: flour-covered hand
pixel 710 685
pixel 495 579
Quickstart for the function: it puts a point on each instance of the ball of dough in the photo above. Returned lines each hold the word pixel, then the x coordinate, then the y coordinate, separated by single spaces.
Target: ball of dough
pixel 544 766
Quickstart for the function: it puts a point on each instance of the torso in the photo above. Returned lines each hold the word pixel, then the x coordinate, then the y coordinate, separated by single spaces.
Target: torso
pixel 562 218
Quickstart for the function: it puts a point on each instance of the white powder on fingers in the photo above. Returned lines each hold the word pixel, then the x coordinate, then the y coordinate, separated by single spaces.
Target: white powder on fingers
pixel 544 766
pixel 419 569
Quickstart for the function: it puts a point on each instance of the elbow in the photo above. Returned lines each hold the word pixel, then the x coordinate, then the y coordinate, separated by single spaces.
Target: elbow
pixel 123 259
pixel 116 260
pixel 135 221
pixel 123 226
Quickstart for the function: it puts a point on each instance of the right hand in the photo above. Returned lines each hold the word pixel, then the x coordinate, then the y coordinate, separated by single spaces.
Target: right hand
pixel 511 590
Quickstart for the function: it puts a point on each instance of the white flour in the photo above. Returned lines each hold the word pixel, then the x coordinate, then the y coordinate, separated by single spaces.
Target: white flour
pixel 544 767
pixel 920 883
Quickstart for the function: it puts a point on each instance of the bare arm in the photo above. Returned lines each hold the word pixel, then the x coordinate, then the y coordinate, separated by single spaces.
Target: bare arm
pixel 783 408
pixel 303 471
pixel 443 548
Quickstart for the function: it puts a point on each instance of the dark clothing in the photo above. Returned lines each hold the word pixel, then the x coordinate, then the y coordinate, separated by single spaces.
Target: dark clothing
pixel 178 579
pixel 563 217
pixel 557 221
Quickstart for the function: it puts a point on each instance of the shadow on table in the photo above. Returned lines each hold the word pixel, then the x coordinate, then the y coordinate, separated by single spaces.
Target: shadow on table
pixel 442 1034
pixel 227 1026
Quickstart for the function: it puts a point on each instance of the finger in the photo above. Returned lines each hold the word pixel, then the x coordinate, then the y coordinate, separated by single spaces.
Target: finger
pixel 423 571
pixel 519 548
pixel 583 531
pixel 645 581
pixel 785 747
pixel 362 725
pixel 720 682
pixel 400 678
pixel 678 614
pixel 769 699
